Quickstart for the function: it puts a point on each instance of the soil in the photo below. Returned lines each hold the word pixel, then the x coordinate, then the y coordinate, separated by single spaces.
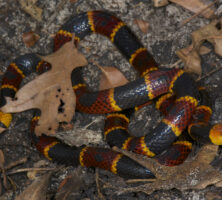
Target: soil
pixel 164 37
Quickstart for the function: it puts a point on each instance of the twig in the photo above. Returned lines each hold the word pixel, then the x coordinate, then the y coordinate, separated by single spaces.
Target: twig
pixel 17 162
pixel 140 180
pixel 210 73
pixel 92 122
pixel 198 13
pixel 5 182
pixel 97 185
pixel 214 37
pixel 30 169
pixel 13 184
pixel 174 64
pixel 108 185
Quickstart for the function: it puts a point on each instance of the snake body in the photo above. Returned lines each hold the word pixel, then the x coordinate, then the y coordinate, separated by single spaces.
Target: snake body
pixel 181 102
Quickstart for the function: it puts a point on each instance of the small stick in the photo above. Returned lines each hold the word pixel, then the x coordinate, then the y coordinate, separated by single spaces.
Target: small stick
pixel 140 180
pixel 97 185
pixel 17 162
pixel 30 169
pixel 198 13
pixel 210 73
pixel 176 63
pixel 92 122
pixel 14 186
pixel 173 65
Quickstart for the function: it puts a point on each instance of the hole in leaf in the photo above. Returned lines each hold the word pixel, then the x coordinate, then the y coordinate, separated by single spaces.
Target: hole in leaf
pixel 61 106
pixel 218 26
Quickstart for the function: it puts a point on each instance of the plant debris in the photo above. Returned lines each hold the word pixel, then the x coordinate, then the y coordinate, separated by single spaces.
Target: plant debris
pixel 2 167
pixel 30 38
pixel 197 6
pixel 194 173
pixel 143 25
pixel 50 92
pixel 111 77
pixel 213 195
pixel 53 18
pixel 204 50
pixel 34 173
pixel 30 7
pixel 69 186
pixel 160 3
pixel 191 54
pixel 37 190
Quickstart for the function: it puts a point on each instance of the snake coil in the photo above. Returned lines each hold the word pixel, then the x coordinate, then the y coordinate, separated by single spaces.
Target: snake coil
pixel 180 100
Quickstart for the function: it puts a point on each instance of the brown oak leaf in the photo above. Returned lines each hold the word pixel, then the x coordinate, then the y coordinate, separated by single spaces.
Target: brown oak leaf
pixel 37 190
pixel 50 92
pixel 191 54
pixel 111 77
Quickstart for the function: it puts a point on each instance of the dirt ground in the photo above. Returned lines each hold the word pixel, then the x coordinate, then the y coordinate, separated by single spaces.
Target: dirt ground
pixel 164 37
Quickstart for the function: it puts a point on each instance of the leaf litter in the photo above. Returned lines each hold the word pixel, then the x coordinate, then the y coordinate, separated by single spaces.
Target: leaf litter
pixel 195 173
pixel 191 55
pixel 179 177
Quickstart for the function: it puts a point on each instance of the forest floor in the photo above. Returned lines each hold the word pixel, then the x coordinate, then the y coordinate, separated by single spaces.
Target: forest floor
pixel 164 37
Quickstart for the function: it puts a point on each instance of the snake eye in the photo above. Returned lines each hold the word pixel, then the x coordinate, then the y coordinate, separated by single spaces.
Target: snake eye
pixel 216 134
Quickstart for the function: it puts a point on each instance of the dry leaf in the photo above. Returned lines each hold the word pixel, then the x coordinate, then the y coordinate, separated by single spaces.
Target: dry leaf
pixel 210 32
pixel 111 77
pixel 2 167
pixel 30 7
pixel 30 38
pixel 32 175
pixel 50 92
pixel 2 159
pixel 204 50
pixel 37 190
pixel 196 6
pixel 194 173
pixel 191 59
pixel 191 54
pixel 213 195
pixel 159 3
pixel 143 25
pixel 217 43
pixel 69 186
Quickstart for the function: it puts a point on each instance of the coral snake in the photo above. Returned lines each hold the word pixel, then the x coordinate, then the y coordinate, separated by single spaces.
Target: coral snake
pixel 185 107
